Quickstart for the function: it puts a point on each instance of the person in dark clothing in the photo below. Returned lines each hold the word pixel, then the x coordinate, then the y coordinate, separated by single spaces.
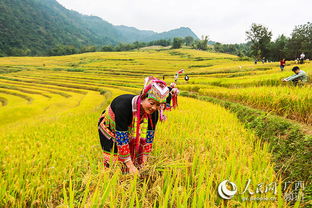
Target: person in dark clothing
pixel 168 100
pixel 263 60
pixel 176 76
pixel 127 126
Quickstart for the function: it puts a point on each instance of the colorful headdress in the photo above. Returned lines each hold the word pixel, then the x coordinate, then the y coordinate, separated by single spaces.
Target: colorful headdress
pixel 155 89
pixel 173 85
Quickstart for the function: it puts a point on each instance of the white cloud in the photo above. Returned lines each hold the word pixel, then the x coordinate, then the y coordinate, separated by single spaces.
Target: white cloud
pixel 223 20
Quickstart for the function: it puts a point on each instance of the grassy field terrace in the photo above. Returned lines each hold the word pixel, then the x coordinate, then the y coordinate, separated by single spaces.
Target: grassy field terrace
pixel 50 154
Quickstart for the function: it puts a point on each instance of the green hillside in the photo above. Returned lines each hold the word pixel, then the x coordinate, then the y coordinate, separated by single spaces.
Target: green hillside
pixel 33 27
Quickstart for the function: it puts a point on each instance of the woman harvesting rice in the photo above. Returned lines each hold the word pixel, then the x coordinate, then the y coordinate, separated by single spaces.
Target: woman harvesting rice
pixel 173 95
pixel 127 126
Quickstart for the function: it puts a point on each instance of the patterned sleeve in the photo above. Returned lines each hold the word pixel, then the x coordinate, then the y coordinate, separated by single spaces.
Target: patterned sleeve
pixel 149 142
pixel 122 140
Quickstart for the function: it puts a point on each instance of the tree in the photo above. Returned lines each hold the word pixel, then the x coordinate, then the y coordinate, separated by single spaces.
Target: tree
pixel 240 50
pixel 260 38
pixel 201 44
pixel 2 53
pixel 107 48
pixel 177 43
pixel 162 42
pixel 138 44
pixel 278 49
pixel 63 50
pixel 188 40
pixel 88 48
pixel 300 41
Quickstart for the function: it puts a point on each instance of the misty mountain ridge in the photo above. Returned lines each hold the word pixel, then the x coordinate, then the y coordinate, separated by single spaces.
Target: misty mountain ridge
pixel 134 34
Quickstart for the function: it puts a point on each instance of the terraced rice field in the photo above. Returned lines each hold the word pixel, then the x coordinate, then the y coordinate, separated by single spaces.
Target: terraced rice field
pixel 50 155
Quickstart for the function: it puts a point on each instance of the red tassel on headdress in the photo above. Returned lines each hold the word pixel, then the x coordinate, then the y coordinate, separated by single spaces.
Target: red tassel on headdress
pixel 174 101
pixel 137 136
pixel 162 117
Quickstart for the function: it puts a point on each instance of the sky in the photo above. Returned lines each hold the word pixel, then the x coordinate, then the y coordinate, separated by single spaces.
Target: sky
pixel 224 21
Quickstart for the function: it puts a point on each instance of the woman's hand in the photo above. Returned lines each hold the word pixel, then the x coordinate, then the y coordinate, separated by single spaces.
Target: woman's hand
pixel 132 169
pixel 143 161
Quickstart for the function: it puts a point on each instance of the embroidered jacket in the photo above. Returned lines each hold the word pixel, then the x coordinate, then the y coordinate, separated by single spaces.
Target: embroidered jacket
pixel 118 123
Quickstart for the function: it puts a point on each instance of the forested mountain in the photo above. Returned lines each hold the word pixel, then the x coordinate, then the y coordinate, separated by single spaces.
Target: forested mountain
pixel 33 27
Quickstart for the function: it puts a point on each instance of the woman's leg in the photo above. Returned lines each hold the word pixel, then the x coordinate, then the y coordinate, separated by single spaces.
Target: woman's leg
pixel 107 147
